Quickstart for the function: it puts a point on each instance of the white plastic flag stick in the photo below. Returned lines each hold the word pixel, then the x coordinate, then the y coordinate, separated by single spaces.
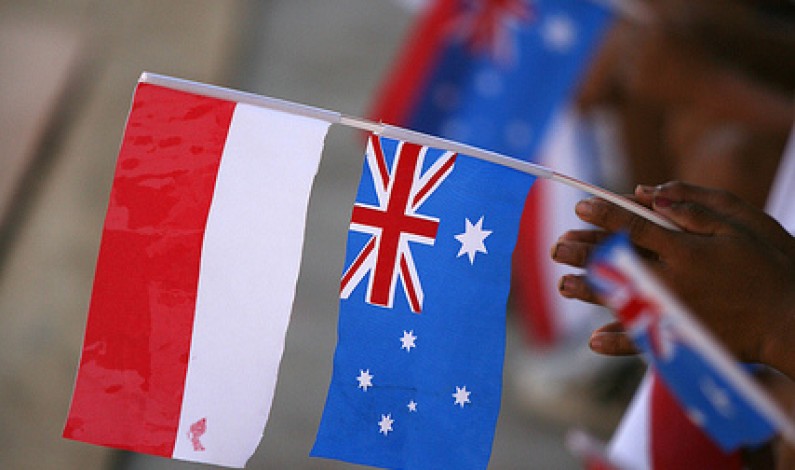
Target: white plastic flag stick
pixel 386 130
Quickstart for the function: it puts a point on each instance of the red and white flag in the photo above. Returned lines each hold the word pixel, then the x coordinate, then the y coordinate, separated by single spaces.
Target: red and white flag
pixel 195 278
pixel 655 433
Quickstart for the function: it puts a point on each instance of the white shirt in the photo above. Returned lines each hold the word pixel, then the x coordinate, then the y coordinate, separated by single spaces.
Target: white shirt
pixel 781 201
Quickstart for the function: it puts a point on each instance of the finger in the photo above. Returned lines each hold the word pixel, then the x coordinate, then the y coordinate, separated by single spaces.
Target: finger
pixel 612 327
pixel 573 286
pixel 644 194
pixel 612 340
pixel 586 236
pixel 642 232
pixel 572 253
pixel 720 201
pixel 693 217
pixel 729 206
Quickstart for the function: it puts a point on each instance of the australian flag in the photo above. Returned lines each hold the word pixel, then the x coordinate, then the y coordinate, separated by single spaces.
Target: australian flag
pixel 716 392
pixel 491 73
pixel 418 366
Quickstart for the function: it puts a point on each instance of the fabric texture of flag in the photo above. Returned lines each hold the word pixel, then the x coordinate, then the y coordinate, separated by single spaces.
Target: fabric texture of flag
pixel 713 390
pixel 195 277
pixel 499 75
pixel 418 366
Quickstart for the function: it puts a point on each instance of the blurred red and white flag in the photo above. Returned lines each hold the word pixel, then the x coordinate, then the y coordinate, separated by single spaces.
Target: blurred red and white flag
pixel 195 278
pixel 591 451
pixel 656 433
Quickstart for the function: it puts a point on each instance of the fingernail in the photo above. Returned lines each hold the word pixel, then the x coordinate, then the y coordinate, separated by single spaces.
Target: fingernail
pixel 595 343
pixel 643 189
pixel 562 251
pixel 566 285
pixel 584 208
pixel 662 202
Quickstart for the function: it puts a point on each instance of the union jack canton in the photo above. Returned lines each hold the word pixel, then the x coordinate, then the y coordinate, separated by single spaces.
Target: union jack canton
pixel 394 222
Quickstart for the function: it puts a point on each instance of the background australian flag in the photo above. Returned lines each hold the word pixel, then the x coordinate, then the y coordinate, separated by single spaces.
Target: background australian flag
pixel 418 366
pixel 492 73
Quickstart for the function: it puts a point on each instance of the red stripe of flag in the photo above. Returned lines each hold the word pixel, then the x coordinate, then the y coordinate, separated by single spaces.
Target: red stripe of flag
pixel 380 160
pixel 431 184
pixel 411 289
pixel 154 229
pixel 357 263
pixel 529 296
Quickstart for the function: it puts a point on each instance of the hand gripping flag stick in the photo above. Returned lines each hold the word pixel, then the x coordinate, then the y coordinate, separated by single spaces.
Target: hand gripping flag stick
pixel 394 132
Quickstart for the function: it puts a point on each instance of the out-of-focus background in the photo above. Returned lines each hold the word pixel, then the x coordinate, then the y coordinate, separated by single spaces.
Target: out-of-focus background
pixel 688 101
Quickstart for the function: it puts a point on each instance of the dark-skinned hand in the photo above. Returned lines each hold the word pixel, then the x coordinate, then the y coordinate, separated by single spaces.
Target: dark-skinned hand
pixel 732 265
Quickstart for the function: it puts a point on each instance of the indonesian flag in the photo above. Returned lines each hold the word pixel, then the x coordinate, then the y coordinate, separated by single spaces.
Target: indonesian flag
pixel 195 278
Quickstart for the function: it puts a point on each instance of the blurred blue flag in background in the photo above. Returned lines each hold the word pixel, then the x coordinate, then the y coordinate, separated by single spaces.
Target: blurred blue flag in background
pixel 491 73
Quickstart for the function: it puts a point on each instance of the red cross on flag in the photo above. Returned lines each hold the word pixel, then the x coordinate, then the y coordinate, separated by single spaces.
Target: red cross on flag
pixel 395 222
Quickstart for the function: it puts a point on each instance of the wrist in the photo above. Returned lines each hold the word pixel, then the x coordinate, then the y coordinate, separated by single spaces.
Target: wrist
pixel 778 347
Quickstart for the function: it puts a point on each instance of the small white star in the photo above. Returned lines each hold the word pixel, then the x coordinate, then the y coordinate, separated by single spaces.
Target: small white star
pixel 488 83
pixel 518 133
pixel 696 416
pixel 412 406
pixel 408 340
pixel 365 379
pixel 385 425
pixel 456 129
pixel 472 240
pixel 461 396
pixel 717 396
pixel 559 33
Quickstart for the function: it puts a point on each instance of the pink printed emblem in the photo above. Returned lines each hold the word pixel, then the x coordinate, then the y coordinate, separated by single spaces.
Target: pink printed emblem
pixel 197 430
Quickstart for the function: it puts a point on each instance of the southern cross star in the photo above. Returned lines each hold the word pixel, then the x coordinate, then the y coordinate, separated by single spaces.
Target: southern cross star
pixel 408 340
pixel 461 396
pixel 385 425
pixel 365 379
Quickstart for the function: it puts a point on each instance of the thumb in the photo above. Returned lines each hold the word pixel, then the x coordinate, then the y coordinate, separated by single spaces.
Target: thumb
pixel 691 216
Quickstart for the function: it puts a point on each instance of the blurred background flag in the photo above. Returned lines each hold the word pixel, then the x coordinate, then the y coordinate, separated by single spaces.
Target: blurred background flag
pixel 500 74
pixel 421 338
pixel 712 389
pixel 591 451
pixel 653 423
pixel 195 278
